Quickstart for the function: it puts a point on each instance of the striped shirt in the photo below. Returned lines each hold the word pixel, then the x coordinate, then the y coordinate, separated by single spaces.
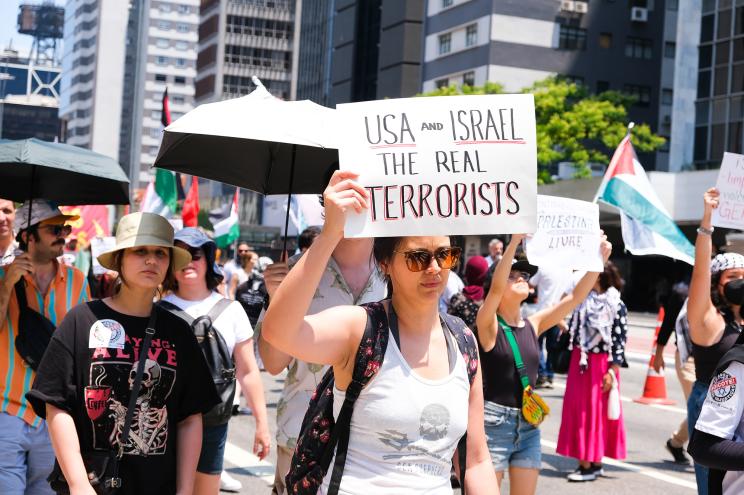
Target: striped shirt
pixel 68 289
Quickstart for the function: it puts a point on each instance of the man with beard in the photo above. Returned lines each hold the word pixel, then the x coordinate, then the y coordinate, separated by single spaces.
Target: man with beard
pixel 51 289
pixel 7 245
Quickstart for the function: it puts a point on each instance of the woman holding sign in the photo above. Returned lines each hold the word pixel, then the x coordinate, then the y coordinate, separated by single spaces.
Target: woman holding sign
pixel 513 411
pixel 412 396
pixel 713 312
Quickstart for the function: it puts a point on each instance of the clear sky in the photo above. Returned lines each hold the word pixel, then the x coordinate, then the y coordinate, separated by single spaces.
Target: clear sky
pixel 8 25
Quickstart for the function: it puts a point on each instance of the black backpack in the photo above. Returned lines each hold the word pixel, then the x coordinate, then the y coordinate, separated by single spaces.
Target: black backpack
pixel 252 295
pixel 219 360
pixel 321 436
pixel 34 330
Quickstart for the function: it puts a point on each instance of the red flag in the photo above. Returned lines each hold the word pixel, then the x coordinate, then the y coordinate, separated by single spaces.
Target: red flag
pixel 190 210
pixel 165 116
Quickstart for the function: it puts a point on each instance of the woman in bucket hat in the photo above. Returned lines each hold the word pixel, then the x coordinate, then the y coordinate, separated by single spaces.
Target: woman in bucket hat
pixel 194 292
pixel 84 380
pixel 716 295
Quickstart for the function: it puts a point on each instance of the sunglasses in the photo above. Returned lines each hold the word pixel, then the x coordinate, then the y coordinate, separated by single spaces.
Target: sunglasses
pixel 418 260
pixel 58 229
pixel 196 253
pixel 516 275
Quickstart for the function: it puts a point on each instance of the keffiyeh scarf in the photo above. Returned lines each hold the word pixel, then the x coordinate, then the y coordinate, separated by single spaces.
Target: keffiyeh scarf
pixel 592 321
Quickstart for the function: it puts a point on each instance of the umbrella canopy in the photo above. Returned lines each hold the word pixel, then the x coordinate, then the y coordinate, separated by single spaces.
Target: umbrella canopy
pixel 65 174
pixel 250 142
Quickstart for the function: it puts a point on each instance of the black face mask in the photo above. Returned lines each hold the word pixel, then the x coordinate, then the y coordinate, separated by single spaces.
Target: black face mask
pixel 733 291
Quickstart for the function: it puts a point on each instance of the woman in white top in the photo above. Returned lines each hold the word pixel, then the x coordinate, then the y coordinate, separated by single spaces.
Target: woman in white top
pixel 248 263
pixel 408 420
pixel 194 292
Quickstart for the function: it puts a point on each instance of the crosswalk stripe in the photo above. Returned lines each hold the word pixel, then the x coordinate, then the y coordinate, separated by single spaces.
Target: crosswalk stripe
pixel 651 473
pixel 243 459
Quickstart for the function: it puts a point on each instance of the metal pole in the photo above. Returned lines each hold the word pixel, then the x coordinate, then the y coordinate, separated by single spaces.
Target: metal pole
pixel 289 198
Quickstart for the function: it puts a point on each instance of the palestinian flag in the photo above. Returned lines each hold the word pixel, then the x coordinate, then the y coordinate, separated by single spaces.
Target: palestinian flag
pixel 646 225
pixel 161 195
pixel 225 223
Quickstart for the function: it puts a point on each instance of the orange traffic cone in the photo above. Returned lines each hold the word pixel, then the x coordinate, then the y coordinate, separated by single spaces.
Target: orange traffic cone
pixel 654 390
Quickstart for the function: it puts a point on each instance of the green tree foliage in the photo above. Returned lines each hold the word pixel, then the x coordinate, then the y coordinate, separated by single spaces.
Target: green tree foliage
pixel 573 125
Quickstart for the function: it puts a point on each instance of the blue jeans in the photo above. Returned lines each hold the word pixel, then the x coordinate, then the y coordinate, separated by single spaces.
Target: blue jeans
pixel 550 338
pixel 26 457
pixel 512 441
pixel 694 406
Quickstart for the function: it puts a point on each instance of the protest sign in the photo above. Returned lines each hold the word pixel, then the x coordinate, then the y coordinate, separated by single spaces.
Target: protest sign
pixel 100 245
pixel 567 235
pixel 730 211
pixel 442 165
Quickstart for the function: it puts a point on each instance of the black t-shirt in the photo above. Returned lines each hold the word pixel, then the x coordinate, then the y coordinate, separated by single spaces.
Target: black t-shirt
pixel 501 382
pixel 88 369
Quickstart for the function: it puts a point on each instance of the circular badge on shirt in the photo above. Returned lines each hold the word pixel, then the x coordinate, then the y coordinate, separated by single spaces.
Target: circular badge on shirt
pixel 723 387
pixel 106 333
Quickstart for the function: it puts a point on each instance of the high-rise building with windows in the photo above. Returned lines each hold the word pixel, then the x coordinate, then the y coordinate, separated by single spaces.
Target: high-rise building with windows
pixel 604 45
pixel 239 39
pixel 719 116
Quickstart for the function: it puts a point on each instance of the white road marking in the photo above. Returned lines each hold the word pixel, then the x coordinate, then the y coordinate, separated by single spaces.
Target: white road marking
pixel 651 473
pixel 663 407
pixel 243 459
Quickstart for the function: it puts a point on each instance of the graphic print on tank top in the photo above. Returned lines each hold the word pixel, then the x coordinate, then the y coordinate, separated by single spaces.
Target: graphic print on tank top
pixel 434 426
pixel 111 377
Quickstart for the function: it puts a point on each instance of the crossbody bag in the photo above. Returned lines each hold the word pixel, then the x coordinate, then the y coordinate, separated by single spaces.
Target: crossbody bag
pixel 102 466
pixel 534 408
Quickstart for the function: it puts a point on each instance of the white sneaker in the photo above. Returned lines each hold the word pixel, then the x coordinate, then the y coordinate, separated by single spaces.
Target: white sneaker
pixel 229 484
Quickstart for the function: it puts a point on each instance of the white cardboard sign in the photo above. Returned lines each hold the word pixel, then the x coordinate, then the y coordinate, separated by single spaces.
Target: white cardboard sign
pixel 567 234
pixel 730 183
pixel 448 165
pixel 100 245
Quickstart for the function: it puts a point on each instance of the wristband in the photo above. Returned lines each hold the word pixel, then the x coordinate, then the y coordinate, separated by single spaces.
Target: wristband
pixel 704 231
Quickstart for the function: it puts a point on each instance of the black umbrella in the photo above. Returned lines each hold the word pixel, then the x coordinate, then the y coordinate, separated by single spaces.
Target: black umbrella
pixel 256 142
pixel 62 173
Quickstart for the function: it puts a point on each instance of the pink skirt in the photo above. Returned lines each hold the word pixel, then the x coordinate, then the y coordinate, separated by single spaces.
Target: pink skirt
pixel 586 433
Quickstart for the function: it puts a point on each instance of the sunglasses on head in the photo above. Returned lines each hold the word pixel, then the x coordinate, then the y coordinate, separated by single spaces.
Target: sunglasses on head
pixel 516 275
pixel 196 253
pixel 58 229
pixel 418 260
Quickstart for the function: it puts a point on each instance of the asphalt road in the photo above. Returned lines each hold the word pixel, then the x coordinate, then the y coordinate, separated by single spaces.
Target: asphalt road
pixel 647 470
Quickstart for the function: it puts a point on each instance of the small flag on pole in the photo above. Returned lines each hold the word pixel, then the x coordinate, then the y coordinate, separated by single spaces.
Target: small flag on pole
pixel 190 210
pixel 226 228
pixel 647 227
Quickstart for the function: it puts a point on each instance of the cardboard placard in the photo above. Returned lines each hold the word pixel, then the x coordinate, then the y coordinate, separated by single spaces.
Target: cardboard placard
pixel 450 165
pixel 730 183
pixel 567 235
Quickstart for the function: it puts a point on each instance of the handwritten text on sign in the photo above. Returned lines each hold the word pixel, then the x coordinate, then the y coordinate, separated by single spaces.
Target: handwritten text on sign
pixel 442 165
pixel 567 235
pixel 730 183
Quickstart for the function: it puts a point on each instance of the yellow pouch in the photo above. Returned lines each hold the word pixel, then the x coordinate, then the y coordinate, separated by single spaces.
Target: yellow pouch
pixel 534 408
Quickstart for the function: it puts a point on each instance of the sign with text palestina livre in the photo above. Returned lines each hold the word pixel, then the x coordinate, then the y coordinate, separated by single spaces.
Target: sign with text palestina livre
pixel 443 165
pixel 567 234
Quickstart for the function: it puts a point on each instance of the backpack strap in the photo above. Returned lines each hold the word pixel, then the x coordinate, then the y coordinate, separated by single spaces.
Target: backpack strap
pixel 469 349
pixel 366 366
pixel 169 306
pixel 218 308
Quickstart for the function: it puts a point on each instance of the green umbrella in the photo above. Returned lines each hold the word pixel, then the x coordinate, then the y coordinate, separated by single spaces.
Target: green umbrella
pixel 65 174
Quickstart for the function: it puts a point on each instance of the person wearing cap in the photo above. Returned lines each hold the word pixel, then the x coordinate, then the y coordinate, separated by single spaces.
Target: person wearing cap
pixel 193 291
pixel 84 380
pixel 51 289
pixel 598 332
pixel 466 302
pixel 514 442
pixel 713 314
pixel 7 241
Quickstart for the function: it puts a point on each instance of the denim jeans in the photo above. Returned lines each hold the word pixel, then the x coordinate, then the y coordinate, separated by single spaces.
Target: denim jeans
pixel 694 405
pixel 26 457
pixel 550 338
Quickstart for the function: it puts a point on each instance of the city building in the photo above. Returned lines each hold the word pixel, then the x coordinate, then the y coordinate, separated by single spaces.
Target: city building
pixel 93 73
pixel 623 46
pixel 357 50
pixel 719 115
pixel 239 39
pixel 161 53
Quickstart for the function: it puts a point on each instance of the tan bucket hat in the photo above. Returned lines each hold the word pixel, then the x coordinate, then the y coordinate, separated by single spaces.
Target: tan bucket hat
pixel 144 229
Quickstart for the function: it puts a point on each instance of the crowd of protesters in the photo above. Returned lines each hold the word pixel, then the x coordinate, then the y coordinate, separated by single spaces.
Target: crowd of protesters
pixel 141 368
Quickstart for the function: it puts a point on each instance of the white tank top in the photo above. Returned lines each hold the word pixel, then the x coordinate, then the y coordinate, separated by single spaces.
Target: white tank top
pixel 404 430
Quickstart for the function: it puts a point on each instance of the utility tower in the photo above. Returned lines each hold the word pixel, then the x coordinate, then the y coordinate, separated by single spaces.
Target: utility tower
pixel 45 22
